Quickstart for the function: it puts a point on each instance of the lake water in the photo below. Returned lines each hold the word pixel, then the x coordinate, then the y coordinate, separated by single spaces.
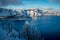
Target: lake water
pixel 49 26
pixel 38 28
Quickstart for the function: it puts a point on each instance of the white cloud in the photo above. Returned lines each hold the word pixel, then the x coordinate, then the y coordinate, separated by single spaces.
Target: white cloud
pixel 54 0
pixel 4 3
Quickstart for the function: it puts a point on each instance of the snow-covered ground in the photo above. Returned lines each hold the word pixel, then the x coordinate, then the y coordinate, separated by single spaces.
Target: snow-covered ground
pixel 17 30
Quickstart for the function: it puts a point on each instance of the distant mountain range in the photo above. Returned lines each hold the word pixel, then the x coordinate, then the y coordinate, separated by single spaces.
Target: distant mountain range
pixel 10 14
pixel 15 13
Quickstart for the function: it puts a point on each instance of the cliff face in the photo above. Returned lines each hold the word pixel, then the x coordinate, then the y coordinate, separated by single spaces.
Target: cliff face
pixel 4 13
pixel 11 14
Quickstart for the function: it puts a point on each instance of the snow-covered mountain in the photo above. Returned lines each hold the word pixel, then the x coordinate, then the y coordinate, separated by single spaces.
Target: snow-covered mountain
pixel 11 14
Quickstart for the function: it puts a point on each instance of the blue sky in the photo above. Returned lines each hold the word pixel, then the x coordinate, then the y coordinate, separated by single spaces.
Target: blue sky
pixel 27 4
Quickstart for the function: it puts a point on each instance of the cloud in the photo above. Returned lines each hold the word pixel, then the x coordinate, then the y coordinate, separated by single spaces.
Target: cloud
pixel 4 3
pixel 54 0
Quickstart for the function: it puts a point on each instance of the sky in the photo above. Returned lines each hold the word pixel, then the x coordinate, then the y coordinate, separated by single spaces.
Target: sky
pixel 28 4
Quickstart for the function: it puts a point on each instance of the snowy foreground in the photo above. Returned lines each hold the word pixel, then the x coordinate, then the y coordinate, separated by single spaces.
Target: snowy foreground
pixel 18 30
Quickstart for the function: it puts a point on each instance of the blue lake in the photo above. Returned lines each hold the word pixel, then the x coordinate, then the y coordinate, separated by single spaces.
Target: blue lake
pixel 49 26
